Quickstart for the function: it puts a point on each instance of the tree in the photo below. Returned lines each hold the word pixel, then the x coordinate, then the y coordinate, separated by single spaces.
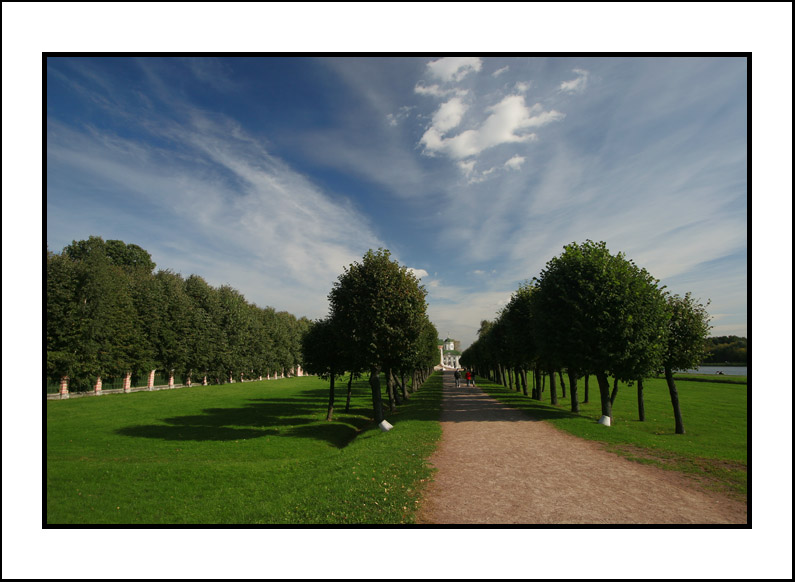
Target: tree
pixel 323 353
pixel 209 340
pixel 381 309
pixel 599 313
pixel 686 344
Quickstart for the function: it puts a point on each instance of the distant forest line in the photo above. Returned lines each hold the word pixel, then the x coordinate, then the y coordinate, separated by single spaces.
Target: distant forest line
pixel 727 349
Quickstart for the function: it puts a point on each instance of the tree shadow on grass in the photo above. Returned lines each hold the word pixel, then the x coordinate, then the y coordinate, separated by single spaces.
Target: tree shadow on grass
pixel 289 417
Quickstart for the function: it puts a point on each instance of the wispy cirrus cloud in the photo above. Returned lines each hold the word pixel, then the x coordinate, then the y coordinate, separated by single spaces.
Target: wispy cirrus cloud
pixel 576 85
pixel 215 183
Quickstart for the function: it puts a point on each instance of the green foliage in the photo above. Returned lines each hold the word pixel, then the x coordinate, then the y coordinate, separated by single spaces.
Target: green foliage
pixel 380 311
pixel 599 312
pixel 381 308
pixel 108 314
pixel 324 349
pixel 688 327
pixel 730 348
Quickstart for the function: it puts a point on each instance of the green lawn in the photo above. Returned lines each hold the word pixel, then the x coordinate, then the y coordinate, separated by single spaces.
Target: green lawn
pixel 714 449
pixel 251 453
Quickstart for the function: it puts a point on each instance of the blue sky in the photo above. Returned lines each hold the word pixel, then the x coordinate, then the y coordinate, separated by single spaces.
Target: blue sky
pixel 272 173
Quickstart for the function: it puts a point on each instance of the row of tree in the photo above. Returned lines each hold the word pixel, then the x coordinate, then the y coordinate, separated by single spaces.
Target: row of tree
pixel 377 324
pixel 109 314
pixel 593 313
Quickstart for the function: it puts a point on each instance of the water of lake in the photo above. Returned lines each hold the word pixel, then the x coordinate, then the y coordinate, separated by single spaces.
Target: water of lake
pixel 727 370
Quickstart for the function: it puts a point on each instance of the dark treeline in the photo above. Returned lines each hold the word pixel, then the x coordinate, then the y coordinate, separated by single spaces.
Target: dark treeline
pixel 110 314
pixel 591 315
pixel 727 349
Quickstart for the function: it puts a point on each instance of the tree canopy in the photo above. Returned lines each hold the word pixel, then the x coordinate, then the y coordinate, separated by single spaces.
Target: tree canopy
pixel 381 310
pixel 108 314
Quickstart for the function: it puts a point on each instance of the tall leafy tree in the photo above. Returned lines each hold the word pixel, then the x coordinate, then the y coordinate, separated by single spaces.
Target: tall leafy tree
pixel 324 355
pixel 686 345
pixel 602 313
pixel 381 308
pixel 174 334
pixel 63 330
pixel 209 342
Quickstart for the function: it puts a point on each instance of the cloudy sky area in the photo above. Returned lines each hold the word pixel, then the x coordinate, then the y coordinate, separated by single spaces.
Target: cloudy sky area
pixel 271 174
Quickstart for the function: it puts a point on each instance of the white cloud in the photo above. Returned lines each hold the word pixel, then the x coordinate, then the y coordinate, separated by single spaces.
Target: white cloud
pixel 467 167
pixel 506 124
pixel 515 162
pixel 454 68
pixel 499 72
pixel 576 85
pixel 522 87
pixel 433 90
pixel 419 273
pixel 449 115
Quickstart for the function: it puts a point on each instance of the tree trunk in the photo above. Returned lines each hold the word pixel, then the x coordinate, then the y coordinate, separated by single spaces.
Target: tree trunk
pixel 330 412
pixel 508 372
pixel 403 386
pixel 348 399
pixel 390 390
pixel 669 378
pixel 587 376
pixel 615 392
pixel 523 376
pixel 641 408
pixel 553 389
pixel 562 383
pixel 375 388
pixel 604 393
pixel 575 405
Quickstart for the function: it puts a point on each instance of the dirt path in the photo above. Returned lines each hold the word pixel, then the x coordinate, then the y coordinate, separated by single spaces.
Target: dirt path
pixel 497 466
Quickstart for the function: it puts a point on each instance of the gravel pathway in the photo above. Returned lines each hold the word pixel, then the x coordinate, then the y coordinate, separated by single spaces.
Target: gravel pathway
pixel 496 465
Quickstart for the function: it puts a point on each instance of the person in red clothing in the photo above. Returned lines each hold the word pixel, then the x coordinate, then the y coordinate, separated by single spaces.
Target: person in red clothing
pixel 469 377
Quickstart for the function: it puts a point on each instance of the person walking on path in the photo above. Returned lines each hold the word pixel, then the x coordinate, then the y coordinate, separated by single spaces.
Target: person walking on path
pixel 457 376
pixel 469 377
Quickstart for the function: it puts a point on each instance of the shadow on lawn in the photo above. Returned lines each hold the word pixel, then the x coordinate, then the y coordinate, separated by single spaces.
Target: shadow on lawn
pixel 302 416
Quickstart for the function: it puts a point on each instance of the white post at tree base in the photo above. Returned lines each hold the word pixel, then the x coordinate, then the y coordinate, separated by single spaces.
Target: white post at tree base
pixel 64 387
pixel 384 426
pixel 605 420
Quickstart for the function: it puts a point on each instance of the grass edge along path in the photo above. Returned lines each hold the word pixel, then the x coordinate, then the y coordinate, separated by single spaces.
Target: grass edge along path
pixel 713 452
pixel 250 453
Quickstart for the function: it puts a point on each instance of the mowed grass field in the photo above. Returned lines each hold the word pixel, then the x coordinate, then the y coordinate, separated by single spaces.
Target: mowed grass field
pixel 713 451
pixel 250 453
pixel 262 452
